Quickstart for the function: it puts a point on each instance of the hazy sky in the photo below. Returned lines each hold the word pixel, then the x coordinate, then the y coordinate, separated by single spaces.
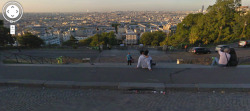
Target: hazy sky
pixel 112 5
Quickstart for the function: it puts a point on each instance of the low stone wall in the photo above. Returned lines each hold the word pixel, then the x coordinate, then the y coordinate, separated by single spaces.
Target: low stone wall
pixel 201 61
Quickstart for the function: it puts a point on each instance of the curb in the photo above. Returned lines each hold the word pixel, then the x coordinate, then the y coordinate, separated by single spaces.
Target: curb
pixel 122 85
pixel 138 86
pixel 87 65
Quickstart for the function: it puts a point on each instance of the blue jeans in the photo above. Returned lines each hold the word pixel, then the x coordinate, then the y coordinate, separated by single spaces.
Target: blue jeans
pixel 216 61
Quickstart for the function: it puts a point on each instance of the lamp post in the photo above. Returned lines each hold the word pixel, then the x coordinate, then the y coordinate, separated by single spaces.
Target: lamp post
pixel 98 43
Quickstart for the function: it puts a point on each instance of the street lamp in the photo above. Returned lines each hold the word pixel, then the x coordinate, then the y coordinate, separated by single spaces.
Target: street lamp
pixel 98 31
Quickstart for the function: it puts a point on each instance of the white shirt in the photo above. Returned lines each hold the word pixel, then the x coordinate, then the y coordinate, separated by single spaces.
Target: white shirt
pixel 144 62
pixel 224 58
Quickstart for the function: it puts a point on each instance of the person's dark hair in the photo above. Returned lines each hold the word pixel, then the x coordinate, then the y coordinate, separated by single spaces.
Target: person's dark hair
pixel 233 59
pixel 142 51
pixel 232 51
pixel 146 53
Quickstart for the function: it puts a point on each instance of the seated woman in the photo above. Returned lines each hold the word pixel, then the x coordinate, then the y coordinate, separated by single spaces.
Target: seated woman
pixel 224 58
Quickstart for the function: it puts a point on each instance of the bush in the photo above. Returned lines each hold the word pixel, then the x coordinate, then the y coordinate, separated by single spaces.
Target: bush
pixel 31 41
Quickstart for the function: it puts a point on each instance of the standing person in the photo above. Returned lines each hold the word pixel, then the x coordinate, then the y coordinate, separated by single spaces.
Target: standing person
pixel 224 58
pixel 129 59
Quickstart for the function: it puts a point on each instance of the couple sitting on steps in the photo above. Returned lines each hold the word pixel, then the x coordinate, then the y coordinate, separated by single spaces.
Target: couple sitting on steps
pixel 145 61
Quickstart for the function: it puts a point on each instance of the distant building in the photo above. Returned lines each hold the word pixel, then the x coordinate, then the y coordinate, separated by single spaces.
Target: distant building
pixel 243 9
pixel 170 28
pixel 202 9
pixel 81 38
pixel 53 41
pixel 131 38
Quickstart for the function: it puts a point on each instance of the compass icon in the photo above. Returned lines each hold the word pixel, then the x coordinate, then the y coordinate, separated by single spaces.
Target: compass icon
pixel 12 12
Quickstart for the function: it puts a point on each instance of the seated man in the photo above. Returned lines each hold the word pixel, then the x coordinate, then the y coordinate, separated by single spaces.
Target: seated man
pixel 224 58
pixel 145 61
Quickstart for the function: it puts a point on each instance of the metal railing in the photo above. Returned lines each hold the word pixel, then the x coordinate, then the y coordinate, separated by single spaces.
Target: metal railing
pixel 26 59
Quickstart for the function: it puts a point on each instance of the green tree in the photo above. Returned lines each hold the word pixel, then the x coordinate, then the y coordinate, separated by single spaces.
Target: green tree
pixel 153 38
pixel 30 40
pixel 112 38
pixel 116 27
pixel 96 40
pixel 5 37
pixel 85 42
pixel 71 42
pixel 103 39
pixel 146 38
pixel 221 24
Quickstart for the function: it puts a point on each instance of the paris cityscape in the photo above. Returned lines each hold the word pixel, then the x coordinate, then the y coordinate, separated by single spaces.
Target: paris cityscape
pixel 51 27
pixel 125 55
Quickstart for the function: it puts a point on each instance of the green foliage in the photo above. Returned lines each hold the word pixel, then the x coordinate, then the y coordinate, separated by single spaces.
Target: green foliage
pixel 29 40
pixel 85 42
pixel 71 42
pixel 5 37
pixel 116 27
pixel 146 38
pixel 1 23
pixel 220 25
pixel 153 38
pixel 101 39
pixel 68 43
pixel 73 39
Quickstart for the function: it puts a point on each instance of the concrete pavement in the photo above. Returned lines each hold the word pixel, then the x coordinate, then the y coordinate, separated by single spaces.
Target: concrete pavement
pixel 122 65
pixel 108 75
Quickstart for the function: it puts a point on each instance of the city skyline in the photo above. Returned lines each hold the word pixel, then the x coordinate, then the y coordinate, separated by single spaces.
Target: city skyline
pixel 113 5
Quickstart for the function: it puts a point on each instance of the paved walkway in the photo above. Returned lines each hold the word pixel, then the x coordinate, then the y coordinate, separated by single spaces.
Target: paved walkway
pixel 122 65
pixel 168 74
pixel 44 99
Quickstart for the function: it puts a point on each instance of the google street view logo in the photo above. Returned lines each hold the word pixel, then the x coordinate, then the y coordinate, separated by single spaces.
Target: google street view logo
pixel 12 12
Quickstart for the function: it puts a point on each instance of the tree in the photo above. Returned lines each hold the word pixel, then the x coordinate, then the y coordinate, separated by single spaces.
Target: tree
pixel 71 42
pixel 73 39
pixel 116 27
pixel 95 40
pixel 103 39
pixel 5 37
pixel 112 38
pixel 146 38
pixel 221 24
pixel 85 42
pixel 153 38
pixel 30 40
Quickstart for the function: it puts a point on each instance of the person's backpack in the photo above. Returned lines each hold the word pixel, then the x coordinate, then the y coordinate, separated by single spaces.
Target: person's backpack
pixel 233 61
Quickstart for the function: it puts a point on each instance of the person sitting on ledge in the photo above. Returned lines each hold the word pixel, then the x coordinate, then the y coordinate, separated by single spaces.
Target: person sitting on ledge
pixel 145 61
pixel 224 58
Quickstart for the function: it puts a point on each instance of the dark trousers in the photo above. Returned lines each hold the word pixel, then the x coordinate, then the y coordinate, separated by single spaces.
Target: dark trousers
pixel 129 62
